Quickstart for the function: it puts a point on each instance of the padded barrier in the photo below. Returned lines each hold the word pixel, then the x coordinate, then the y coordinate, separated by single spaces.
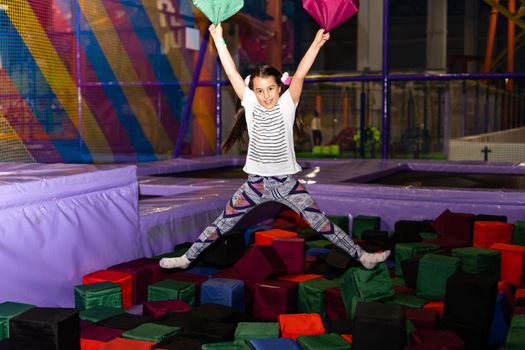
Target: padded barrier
pixel 68 219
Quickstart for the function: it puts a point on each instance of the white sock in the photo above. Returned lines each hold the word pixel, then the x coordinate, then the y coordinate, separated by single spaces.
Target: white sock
pixel 181 262
pixel 370 260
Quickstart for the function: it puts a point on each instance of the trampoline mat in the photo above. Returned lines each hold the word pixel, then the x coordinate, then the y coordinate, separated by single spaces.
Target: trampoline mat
pixel 234 172
pixel 451 180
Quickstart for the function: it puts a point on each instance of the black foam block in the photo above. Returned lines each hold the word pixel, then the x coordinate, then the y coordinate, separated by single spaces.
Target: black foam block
pixel 410 271
pixel 51 328
pixel 378 326
pixel 226 250
pixel 470 299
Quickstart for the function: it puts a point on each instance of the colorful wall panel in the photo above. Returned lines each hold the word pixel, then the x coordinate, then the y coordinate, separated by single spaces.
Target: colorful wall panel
pixel 101 80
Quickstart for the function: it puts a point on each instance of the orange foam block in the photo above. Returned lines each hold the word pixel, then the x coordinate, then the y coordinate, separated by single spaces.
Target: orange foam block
pixel 347 337
pixel 127 344
pixel 289 214
pixel 125 280
pixel 90 344
pixel 266 237
pixel 487 233
pixel 520 293
pixel 512 262
pixel 504 287
pixel 435 305
pixel 295 325
pixel 303 277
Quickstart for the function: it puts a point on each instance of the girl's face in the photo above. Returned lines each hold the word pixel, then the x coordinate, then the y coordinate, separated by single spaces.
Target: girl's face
pixel 267 91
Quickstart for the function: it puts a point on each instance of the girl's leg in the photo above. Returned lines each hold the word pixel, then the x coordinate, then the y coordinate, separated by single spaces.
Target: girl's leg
pixel 294 195
pixel 245 198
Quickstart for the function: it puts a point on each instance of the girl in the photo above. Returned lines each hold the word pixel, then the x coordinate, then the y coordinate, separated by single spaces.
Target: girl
pixel 269 117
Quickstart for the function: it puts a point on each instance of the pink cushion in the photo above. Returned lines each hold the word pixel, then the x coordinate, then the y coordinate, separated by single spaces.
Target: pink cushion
pixel 158 308
pixel 335 308
pixel 258 264
pixel 273 298
pixel 291 251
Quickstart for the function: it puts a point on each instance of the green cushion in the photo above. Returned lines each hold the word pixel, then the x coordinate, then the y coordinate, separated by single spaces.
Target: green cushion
pixel 330 341
pixel 518 233
pixel 105 293
pixel 404 251
pixel 340 220
pixel 9 310
pixel 428 235
pixel 100 313
pixel 318 243
pixel 408 300
pixel 256 330
pixel 479 260
pixel 410 327
pixel 312 295
pixel 152 332
pixel 309 234
pixel 368 285
pixel 516 335
pixel 398 281
pixel 518 322
pixel 353 306
pixel 362 223
pixel 230 345
pixel 433 272
pixel 179 251
pixel 171 289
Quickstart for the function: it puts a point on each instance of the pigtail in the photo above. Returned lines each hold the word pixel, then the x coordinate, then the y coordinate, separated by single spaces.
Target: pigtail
pixel 238 133
pixel 298 125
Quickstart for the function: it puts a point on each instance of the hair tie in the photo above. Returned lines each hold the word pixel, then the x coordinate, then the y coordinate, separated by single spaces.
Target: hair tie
pixel 286 79
pixel 247 80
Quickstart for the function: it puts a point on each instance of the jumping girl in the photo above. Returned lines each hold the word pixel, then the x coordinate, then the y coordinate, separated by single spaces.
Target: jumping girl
pixel 268 114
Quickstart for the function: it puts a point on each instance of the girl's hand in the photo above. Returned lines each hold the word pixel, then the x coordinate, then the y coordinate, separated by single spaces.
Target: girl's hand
pixel 215 31
pixel 321 37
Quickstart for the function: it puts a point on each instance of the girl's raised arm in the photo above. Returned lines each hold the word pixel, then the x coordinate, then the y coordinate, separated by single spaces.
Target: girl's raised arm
pixel 227 61
pixel 296 86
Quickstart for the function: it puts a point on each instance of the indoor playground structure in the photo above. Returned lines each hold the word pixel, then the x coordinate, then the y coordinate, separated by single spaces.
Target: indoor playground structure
pixel 112 116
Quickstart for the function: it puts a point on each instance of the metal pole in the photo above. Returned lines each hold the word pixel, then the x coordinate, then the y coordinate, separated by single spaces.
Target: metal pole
pixel 439 113
pixel 362 116
pixel 348 78
pixel 511 30
pixel 78 78
pixel 191 95
pixel 218 119
pixel 385 107
pixel 490 39
pixel 446 116
pixel 495 114
pixel 486 111
pixel 463 116
pixel 477 127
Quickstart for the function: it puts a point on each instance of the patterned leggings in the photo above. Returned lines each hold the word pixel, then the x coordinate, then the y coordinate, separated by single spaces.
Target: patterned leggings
pixel 285 190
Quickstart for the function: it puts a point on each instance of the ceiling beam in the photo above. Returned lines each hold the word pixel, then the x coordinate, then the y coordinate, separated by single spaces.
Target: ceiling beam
pixel 514 17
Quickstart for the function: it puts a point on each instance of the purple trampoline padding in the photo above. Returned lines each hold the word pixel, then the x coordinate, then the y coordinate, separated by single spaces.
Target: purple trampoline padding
pixel 166 221
pixel 393 203
pixel 187 164
pixel 59 222
pixel 338 186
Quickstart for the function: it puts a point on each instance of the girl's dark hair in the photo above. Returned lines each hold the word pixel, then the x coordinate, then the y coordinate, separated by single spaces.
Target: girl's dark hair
pixel 239 130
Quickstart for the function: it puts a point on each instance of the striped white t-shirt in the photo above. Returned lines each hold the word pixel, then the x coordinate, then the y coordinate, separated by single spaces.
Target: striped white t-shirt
pixel 270 131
